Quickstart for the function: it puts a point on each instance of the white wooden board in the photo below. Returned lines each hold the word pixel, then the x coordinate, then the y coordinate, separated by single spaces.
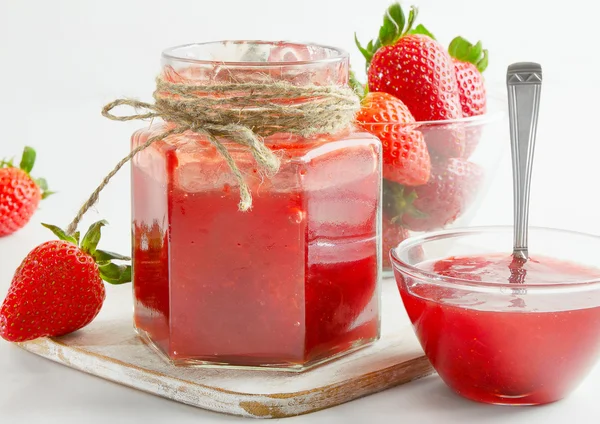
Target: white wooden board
pixel 110 348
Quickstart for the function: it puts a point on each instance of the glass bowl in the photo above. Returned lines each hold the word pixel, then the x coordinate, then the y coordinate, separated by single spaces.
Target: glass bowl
pixel 525 342
pixel 464 157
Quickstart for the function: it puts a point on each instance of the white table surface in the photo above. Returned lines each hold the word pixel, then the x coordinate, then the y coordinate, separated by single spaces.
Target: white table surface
pixel 63 60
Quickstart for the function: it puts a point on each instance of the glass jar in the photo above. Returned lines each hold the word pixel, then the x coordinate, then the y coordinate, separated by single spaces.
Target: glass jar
pixel 292 282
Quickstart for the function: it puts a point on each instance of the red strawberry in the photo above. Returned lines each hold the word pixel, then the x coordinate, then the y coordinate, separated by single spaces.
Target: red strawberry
pixel 413 66
pixel 391 236
pixel 19 193
pixel 419 71
pixel 469 63
pixel 472 134
pixel 451 189
pixel 58 287
pixel 405 156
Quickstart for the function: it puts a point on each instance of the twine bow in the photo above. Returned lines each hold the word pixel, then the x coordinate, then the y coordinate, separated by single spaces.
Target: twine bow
pixel 242 113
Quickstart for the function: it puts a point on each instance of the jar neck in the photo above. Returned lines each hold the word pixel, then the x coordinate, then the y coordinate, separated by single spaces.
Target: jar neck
pixel 256 62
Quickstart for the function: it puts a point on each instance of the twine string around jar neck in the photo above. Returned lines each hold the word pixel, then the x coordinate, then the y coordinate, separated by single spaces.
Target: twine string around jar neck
pixel 242 113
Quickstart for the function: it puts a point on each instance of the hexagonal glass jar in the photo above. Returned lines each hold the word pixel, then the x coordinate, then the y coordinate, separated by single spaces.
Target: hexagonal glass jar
pixel 292 282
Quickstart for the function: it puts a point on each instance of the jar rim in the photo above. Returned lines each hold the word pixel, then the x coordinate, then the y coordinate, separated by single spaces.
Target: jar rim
pixel 336 54
pixel 402 265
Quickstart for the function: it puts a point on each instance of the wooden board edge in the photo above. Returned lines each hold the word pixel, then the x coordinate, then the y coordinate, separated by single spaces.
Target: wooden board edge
pixel 339 393
pixel 225 401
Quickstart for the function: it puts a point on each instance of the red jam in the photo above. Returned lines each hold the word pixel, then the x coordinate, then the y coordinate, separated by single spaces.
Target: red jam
pixel 290 282
pixel 492 350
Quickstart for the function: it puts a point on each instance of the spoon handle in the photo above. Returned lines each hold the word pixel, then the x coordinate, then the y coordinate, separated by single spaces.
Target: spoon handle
pixel 524 83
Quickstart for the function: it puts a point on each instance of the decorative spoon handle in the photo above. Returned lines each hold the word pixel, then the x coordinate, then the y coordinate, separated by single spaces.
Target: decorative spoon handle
pixel 524 83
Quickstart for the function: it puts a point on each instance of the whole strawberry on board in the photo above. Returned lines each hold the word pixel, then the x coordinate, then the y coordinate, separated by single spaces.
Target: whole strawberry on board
pixel 58 287
pixel 450 191
pixel 405 155
pixel 20 194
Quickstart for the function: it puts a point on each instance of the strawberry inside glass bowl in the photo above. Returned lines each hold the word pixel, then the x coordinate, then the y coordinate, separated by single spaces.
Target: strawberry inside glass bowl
pixel 498 330
pixel 463 155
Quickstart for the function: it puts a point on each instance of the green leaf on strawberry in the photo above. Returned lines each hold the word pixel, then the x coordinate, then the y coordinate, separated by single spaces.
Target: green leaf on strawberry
pixel 61 234
pixel 482 63
pixel 28 159
pixel 103 256
pixel 358 88
pixel 26 165
pixel 463 50
pixel 395 26
pixel 43 185
pixel 109 271
pixel 4 163
pixel 115 274
pixel 412 17
pixel 366 52
pixel 92 237
pixel 399 201
pixel 420 29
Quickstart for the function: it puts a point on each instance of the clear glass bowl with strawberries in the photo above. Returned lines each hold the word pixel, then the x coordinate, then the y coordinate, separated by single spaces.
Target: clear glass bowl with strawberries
pixel 441 132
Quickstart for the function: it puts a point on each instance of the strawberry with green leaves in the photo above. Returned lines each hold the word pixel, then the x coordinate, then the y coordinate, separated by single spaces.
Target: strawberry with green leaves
pixel 412 66
pixel 58 287
pixel 470 61
pixel 20 194
pixel 405 155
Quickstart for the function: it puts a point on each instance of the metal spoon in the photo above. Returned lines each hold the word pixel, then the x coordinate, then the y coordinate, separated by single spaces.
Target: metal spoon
pixel 524 83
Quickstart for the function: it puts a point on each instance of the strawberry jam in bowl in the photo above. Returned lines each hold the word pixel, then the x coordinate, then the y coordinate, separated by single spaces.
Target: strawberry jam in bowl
pixel 441 130
pixel 496 329
pixel 288 284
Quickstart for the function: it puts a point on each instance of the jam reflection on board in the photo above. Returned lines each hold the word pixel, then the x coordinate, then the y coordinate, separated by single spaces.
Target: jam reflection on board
pixel 503 354
pixel 292 281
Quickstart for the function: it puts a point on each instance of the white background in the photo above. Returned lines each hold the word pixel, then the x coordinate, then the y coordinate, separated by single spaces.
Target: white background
pixel 61 61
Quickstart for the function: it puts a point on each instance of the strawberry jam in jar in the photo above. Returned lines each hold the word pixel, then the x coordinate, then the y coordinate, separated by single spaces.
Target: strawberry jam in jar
pixel 288 284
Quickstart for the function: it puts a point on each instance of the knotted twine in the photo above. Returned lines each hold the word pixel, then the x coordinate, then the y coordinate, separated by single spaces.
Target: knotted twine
pixel 241 113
